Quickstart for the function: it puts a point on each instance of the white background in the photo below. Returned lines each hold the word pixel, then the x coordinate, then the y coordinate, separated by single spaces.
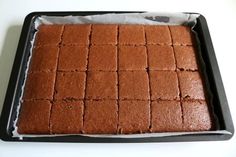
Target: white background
pixel 221 18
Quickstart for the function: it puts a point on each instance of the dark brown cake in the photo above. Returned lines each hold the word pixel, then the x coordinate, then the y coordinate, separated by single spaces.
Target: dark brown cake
pixel 196 116
pixel 134 85
pixel 39 85
pixel 44 59
pixel 166 116
pixel 185 57
pixel 102 85
pixel 100 117
pixel 67 117
pixel 164 85
pixel 131 35
pixel 159 35
pixel 132 58
pixel 76 34
pixel 161 57
pixel 134 116
pixel 114 79
pixel 102 58
pixel 49 35
pixel 70 85
pixel 73 58
pixel 104 34
pixel 34 117
pixel 191 85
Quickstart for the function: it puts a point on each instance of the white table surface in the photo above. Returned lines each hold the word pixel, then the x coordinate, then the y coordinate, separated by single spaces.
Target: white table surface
pixel 221 18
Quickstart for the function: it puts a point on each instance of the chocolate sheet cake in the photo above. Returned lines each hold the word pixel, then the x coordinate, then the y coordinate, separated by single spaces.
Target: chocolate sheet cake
pixel 114 79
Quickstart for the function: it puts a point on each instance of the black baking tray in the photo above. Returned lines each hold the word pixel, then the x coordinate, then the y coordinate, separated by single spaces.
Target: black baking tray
pixel 14 90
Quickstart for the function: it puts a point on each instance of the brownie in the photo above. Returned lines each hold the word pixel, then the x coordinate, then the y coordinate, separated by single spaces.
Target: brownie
pixel 70 85
pixel 102 85
pixel 39 85
pixel 181 35
pixel 161 57
pixel 134 116
pixel 196 116
pixel 166 116
pixel 132 58
pixel 34 117
pixel 104 34
pixel 133 85
pixel 164 85
pixel 73 58
pixel 44 58
pixel 191 86
pixel 131 35
pixel 100 117
pixel 158 35
pixel 77 34
pixel 67 117
pixel 49 35
pixel 185 57
pixel 102 58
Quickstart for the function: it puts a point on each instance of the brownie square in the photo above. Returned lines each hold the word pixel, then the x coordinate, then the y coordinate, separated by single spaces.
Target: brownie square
pixel 132 58
pixel 191 86
pixel 102 58
pixel 166 116
pixel 104 34
pixel 70 85
pixel 164 85
pixel 49 35
pixel 101 117
pixel 39 85
pixel 134 116
pixel 158 35
pixel 181 35
pixel 131 35
pixel 196 116
pixel 161 57
pixel 44 58
pixel 134 85
pixel 67 117
pixel 185 57
pixel 73 58
pixel 34 117
pixel 76 34
pixel 102 85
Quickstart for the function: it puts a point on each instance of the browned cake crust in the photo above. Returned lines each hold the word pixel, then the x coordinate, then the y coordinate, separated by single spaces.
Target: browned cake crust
pixel 102 58
pixel 161 57
pixel 186 57
pixel 67 117
pixel 44 58
pixel 104 34
pixel 164 85
pixel 100 117
pixel 159 35
pixel 70 85
pixel 49 35
pixel 182 35
pixel 134 85
pixel 166 116
pixel 76 34
pixel 191 85
pixel 132 58
pixel 134 116
pixel 39 85
pixel 34 117
pixel 196 116
pixel 73 58
pixel 131 35
pixel 102 85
